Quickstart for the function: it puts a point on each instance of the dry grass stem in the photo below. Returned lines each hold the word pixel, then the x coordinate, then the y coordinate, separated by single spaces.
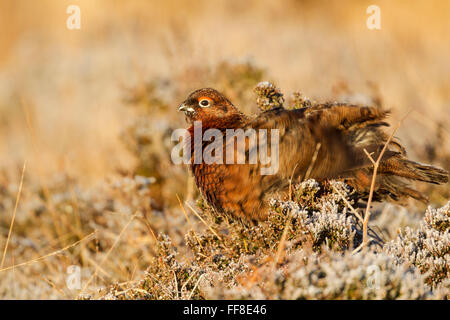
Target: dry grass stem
pixel 14 214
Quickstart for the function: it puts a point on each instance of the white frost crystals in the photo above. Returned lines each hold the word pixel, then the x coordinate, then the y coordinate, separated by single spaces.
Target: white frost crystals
pixel 426 248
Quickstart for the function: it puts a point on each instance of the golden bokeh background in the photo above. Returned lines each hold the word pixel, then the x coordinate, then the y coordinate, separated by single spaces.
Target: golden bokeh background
pixel 69 81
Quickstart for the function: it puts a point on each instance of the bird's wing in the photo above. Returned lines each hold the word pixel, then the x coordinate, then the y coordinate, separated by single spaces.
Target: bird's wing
pixel 316 142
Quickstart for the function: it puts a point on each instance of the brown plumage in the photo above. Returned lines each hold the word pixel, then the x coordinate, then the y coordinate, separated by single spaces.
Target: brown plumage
pixel 322 142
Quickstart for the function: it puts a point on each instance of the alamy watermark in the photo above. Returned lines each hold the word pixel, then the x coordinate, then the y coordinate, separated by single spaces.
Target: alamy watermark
pixel 373 277
pixel 247 146
pixel 73 279
pixel 373 22
pixel 73 22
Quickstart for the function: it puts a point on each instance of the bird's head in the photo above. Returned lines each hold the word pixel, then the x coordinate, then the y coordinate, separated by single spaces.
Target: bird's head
pixel 208 105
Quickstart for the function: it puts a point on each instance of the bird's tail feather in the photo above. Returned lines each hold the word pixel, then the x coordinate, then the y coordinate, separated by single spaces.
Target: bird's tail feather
pixel 402 167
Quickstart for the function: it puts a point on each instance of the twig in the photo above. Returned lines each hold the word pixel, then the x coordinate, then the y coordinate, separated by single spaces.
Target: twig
pixel 358 248
pixel 348 204
pixel 376 164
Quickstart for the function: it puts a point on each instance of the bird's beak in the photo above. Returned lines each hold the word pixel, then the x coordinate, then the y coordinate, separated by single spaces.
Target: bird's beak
pixel 185 108
pixel 182 107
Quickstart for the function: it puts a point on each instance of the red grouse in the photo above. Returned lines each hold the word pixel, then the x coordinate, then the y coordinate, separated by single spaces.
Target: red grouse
pixel 323 141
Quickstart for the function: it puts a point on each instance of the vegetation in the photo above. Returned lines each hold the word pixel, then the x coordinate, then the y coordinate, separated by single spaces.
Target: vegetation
pixel 90 113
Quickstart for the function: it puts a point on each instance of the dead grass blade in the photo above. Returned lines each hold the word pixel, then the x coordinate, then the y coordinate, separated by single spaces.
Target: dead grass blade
pixel 109 251
pixel 19 192
pixel 313 161
pixel 204 222
pixel 88 237
pixel 282 243
pixel 34 142
pixel 189 221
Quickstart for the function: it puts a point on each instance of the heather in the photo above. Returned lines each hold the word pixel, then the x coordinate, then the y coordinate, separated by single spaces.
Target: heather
pixel 87 183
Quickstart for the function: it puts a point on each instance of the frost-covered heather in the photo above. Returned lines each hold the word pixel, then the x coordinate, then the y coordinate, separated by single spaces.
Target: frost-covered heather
pixel 321 215
pixel 306 275
pixel 229 260
pixel 427 248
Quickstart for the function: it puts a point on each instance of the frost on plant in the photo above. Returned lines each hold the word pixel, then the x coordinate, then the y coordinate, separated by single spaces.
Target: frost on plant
pixel 427 248
pixel 230 260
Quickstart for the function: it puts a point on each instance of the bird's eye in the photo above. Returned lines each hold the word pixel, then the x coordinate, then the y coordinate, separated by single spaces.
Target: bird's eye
pixel 204 103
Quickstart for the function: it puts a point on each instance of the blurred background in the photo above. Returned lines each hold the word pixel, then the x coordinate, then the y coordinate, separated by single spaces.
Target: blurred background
pixel 90 103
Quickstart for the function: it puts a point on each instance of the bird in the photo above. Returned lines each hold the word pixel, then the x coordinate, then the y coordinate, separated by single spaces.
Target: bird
pixel 322 142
